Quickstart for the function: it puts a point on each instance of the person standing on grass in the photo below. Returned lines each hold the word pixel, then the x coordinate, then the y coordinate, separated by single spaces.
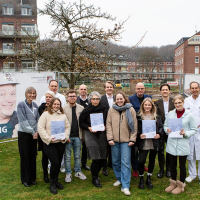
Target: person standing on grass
pixel 27 113
pixel 72 110
pixel 49 95
pixel 54 149
pixel 53 86
pixel 83 101
pixel 107 100
pixel 179 147
pixel 149 145
pixel 192 104
pixel 95 141
pixel 136 101
pixel 121 128
pixel 164 105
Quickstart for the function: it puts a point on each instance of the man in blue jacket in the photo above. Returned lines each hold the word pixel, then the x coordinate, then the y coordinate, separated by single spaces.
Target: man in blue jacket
pixel 136 101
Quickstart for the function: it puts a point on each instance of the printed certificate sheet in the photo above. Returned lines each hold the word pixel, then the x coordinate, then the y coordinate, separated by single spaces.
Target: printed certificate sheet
pixel 175 124
pixel 149 128
pixel 97 122
pixel 58 130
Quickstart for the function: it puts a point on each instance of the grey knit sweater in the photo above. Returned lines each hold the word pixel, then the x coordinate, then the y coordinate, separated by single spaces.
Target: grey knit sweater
pixel 28 117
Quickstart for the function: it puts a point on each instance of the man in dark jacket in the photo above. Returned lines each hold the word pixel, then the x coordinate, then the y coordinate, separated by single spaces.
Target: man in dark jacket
pixel 164 105
pixel 136 101
pixel 83 101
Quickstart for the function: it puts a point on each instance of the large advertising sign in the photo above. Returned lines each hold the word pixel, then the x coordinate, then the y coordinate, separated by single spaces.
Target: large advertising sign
pixel 188 79
pixel 12 91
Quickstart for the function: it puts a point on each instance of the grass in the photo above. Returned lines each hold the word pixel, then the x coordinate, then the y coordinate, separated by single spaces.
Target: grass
pixel 11 187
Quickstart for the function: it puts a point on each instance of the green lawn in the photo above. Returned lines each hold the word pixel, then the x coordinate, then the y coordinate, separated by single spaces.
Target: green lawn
pixel 11 187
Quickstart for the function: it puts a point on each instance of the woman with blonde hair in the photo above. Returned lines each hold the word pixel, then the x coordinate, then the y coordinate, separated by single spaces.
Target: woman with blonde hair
pixel 148 112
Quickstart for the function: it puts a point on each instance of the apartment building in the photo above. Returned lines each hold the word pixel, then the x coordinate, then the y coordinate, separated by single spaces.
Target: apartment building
pixel 18 26
pixel 187 55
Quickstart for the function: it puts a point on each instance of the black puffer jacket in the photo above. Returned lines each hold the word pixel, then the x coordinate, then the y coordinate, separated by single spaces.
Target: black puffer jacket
pixel 157 143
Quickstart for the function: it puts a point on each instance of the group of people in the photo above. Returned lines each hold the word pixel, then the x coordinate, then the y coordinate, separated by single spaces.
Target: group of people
pixel 120 144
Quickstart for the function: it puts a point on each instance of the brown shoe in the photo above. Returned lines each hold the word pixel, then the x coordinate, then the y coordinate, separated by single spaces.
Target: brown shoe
pixel 179 188
pixel 172 186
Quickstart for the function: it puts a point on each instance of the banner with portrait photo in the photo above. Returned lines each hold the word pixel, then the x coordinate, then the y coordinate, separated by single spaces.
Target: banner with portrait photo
pixel 12 91
pixel 188 78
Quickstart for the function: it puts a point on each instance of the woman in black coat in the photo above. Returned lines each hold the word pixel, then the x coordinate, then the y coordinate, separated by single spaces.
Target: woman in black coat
pixel 48 96
pixel 145 146
pixel 96 141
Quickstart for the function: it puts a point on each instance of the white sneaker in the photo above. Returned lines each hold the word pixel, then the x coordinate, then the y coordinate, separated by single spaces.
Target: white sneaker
pixel 126 191
pixel 68 178
pixel 80 175
pixel 62 169
pixel 189 179
pixel 117 183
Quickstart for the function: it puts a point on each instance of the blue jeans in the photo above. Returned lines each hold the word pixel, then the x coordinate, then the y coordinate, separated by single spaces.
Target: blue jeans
pixel 75 143
pixel 121 162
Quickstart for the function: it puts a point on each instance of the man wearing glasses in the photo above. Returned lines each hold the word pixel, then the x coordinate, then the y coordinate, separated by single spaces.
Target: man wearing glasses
pixel 192 103
pixel 136 101
pixel 83 101
pixel 72 110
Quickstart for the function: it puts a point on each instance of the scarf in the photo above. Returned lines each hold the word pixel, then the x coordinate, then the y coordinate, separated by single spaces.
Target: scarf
pixel 129 117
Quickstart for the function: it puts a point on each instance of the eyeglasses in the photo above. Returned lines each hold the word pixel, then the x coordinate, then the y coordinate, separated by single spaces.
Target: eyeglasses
pixel 72 96
pixel 178 103
pixel 140 88
pixel 95 99
pixel 83 89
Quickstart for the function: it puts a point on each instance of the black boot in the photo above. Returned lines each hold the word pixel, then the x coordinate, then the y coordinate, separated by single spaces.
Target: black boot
pixel 148 182
pixel 53 188
pixel 59 185
pixel 96 181
pixel 160 173
pixel 46 178
pixel 141 183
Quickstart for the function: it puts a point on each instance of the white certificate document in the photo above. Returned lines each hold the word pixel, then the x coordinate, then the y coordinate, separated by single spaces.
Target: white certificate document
pixel 149 128
pixel 175 124
pixel 97 123
pixel 58 130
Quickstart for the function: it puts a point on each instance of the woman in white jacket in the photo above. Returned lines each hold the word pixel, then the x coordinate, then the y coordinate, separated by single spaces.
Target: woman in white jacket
pixel 179 147
pixel 53 148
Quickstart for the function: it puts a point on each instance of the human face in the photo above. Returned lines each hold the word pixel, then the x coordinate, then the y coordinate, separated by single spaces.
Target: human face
pixel 120 100
pixel 83 90
pixel 139 89
pixel 109 89
pixel 165 91
pixel 179 104
pixel 7 100
pixel 53 86
pixel 194 90
pixel 147 107
pixel 72 98
pixel 56 105
pixel 48 98
pixel 95 100
pixel 31 96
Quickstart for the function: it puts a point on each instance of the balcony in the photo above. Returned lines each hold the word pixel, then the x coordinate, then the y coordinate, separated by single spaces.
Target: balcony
pixel 18 33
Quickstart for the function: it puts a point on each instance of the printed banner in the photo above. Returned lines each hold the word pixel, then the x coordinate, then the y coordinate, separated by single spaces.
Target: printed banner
pixel 188 79
pixel 12 91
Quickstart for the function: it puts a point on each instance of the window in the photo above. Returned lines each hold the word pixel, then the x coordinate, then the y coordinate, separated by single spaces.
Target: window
pixel 139 69
pixel 196 59
pixel 8 48
pixel 139 75
pixel 196 70
pixel 161 69
pixel 7 9
pixel 169 69
pixel 196 49
pixel 169 75
pixel 133 63
pixel 7 28
pixel 10 66
pixel 132 69
pixel 27 65
pixel 26 11
pixel 28 29
pixel 154 69
pixel 162 76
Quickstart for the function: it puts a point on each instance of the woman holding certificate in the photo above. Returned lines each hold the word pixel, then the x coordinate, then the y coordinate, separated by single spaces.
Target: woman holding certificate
pixel 121 128
pixel 27 113
pixel 92 120
pixel 181 121
pixel 150 129
pixel 54 130
pixel 48 96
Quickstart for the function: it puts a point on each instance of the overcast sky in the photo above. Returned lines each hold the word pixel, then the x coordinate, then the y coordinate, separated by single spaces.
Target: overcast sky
pixel 165 21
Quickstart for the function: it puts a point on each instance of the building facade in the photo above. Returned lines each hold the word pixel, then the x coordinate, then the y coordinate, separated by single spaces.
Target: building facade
pixel 18 26
pixel 187 53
